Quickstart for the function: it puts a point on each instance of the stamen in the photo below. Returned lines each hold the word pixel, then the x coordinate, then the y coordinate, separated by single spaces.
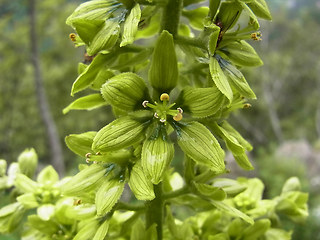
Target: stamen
pixel 144 104
pixel 180 110
pixel 178 117
pixel 156 115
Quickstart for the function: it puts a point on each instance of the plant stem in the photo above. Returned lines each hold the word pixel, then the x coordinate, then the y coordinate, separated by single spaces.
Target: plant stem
pixel 171 16
pixel 129 207
pixel 154 213
pixel 176 193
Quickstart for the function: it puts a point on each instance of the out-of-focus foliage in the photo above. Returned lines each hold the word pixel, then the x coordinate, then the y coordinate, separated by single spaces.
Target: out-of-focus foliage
pixel 20 122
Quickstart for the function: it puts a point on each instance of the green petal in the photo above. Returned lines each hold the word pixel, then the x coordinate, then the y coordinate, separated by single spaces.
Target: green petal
pixel 140 185
pixel 108 195
pixel 199 144
pixel 125 91
pixel 155 158
pixel 120 133
pixel 131 26
pixel 80 143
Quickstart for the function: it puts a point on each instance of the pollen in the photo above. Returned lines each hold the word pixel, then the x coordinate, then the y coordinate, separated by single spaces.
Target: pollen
pixel 73 37
pixel 164 97
pixel 256 36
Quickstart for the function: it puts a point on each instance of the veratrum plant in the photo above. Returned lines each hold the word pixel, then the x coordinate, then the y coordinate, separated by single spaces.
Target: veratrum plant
pixel 170 69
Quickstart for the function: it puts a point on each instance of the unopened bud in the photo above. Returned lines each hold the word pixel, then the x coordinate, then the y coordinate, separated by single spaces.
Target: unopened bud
pixel 28 162
pixel 164 97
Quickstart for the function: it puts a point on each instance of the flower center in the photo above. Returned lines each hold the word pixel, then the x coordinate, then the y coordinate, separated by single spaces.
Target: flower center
pixel 163 109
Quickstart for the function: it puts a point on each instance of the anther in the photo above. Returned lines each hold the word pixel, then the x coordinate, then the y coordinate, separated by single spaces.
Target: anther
pixel 164 97
pixel 156 115
pixel 178 117
pixel 162 120
pixel 87 160
pixel 73 37
pixel 88 155
pixel 247 105
pixel 180 110
pixel 144 104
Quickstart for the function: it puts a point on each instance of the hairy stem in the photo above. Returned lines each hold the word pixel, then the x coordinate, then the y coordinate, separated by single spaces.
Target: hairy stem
pixel 171 16
pixel 154 213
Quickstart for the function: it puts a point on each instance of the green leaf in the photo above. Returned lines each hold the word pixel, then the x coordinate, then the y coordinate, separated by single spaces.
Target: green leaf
pixel 220 79
pixel 253 19
pixel 196 17
pixel 157 153
pixel 102 231
pixel 163 72
pixel 213 8
pixel 88 29
pixel 80 143
pixel 140 185
pixel 260 9
pixel 202 102
pixel 230 186
pixel 231 131
pixel 208 191
pixel 93 10
pixel 213 39
pixel 236 79
pixel 122 132
pixel 228 15
pixel 242 54
pixel 138 231
pixel 89 75
pixel 25 184
pixel 105 38
pixel 199 144
pixel 257 230
pixel 48 176
pixel 84 181
pixel 125 91
pixel 89 102
pixel 130 27
pixel 28 200
pixel 234 146
pixel 108 195
pixel 222 206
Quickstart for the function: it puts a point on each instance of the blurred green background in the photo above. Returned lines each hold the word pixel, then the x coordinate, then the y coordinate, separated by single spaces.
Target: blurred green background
pixel 283 125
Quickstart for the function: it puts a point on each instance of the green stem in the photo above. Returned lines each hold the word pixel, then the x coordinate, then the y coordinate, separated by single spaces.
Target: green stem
pixel 129 207
pixel 171 16
pixel 176 193
pixel 190 41
pixel 154 213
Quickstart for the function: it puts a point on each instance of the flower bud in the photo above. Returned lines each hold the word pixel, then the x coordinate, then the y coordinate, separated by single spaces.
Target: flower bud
pixel 28 162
